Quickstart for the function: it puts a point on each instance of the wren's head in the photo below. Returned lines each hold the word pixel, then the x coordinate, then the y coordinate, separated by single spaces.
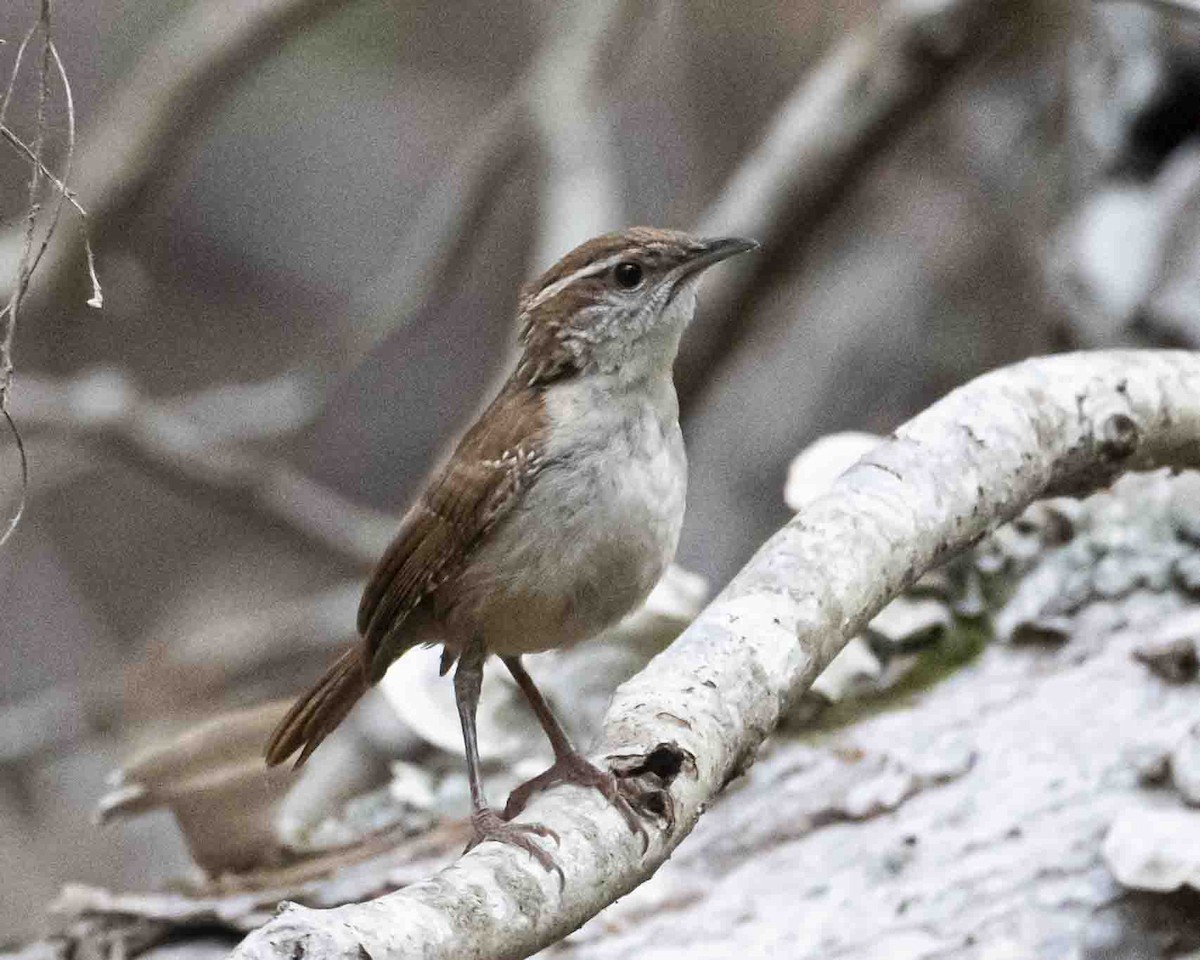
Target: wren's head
pixel 616 304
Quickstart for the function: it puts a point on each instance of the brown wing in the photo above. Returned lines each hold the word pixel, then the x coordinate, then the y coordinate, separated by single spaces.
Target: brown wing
pixel 497 459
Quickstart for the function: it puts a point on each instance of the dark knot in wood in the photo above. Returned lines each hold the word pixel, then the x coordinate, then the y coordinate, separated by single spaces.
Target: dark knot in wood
pixel 645 779
pixel 1119 436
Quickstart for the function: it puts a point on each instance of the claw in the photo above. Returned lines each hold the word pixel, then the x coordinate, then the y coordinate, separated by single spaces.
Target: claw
pixel 575 768
pixel 487 825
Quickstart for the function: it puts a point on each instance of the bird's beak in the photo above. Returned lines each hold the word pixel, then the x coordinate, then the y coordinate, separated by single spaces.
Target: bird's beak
pixel 717 249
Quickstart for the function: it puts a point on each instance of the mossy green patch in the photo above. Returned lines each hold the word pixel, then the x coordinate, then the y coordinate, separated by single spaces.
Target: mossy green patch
pixel 959 645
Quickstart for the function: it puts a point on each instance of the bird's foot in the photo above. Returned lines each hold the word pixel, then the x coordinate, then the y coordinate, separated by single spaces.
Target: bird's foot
pixel 576 768
pixel 488 825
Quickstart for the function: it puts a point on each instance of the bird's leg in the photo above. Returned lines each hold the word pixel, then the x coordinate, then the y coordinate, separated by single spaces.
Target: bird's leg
pixel 570 766
pixel 485 822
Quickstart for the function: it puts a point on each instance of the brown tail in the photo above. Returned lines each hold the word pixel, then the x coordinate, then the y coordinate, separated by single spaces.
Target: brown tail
pixel 315 714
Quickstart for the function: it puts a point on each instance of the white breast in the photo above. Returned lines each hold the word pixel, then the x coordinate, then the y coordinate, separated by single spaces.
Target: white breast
pixel 595 531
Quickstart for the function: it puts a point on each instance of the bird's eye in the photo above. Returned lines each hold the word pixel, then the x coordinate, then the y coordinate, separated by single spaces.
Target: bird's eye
pixel 628 274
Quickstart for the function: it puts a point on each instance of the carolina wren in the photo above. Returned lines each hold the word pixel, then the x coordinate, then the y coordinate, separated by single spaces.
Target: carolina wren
pixel 556 514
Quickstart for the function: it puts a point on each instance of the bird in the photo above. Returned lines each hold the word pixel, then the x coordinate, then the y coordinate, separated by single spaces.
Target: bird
pixel 554 516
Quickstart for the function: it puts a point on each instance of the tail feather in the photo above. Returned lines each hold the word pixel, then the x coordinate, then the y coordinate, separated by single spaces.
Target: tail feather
pixel 315 714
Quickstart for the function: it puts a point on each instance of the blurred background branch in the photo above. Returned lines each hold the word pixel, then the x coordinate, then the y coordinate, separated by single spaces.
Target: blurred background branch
pixel 551 121
pixel 849 108
pixel 201 447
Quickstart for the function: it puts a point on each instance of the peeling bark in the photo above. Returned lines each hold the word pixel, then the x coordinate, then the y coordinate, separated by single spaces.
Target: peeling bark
pixel 695 717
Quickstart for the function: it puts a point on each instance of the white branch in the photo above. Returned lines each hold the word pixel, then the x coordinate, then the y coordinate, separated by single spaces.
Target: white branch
pixel 694 718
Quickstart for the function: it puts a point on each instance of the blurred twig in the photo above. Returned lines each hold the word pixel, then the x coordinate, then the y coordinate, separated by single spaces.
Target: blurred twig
pixel 848 110
pixel 237 645
pixel 438 241
pixel 550 115
pixel 1189 7
pixel 580 193
pixel 170 443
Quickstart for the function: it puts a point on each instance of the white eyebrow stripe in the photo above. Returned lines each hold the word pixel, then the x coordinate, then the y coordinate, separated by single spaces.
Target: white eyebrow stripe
pixel 589 271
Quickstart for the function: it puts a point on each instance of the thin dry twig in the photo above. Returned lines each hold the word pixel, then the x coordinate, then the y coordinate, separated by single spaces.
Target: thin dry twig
pixel 64 192
pixel 173 89
pixel 96 300
pixel 16 68
pixel 28 260
pixel 24 149
pixel 14 519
